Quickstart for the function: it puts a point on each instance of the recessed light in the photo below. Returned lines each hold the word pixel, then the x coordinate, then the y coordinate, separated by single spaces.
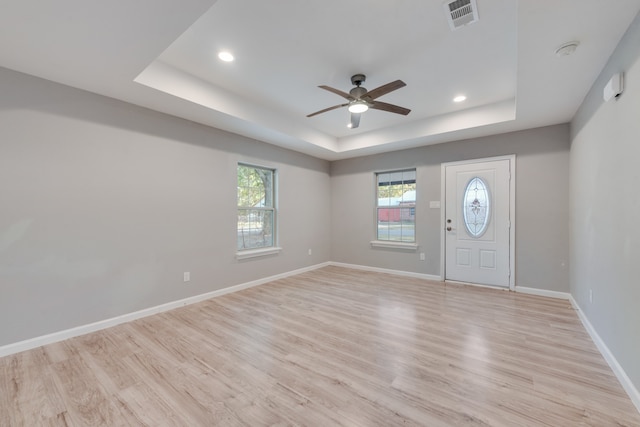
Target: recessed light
pixel 459 98
pixel 225 56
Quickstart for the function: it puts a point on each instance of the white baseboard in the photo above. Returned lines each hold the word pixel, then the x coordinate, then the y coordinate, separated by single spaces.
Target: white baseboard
pixel 626 383
pixel 107 323
pixel 521 289
pixel 543 292
pixel 388 271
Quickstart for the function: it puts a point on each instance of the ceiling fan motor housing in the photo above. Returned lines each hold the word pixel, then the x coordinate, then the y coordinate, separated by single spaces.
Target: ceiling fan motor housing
pixel 357 92
pixel 358 79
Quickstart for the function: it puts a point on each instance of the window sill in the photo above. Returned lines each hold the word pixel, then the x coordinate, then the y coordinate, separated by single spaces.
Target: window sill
pixel 394 245
pixel 255 253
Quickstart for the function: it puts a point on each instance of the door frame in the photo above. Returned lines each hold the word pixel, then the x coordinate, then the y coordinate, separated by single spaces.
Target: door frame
pixel 512 213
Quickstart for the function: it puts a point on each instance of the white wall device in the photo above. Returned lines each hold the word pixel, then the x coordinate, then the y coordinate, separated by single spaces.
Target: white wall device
pixel 613 88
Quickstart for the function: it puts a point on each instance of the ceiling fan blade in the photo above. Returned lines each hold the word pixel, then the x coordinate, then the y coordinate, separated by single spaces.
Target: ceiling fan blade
pixel 384 89
pixel 377 105
pixel 337 92
pixel 327 109
pixel 355 120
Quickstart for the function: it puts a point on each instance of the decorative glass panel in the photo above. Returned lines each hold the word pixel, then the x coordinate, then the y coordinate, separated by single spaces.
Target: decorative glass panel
pixel 476 207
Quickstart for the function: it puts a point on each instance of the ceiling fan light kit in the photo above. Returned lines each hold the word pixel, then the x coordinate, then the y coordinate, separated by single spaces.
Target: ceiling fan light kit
pixel 358 107
pixel 360 99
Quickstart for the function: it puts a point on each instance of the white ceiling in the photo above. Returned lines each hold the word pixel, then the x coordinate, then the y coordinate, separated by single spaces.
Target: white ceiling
pixel 161 54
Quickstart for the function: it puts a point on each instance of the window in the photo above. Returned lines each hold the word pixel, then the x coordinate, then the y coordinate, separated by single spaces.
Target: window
pixel 396 206
pixel 256 211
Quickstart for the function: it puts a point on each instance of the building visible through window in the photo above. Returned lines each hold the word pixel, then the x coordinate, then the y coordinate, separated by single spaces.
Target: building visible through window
pixel 256 207
pixel 396 206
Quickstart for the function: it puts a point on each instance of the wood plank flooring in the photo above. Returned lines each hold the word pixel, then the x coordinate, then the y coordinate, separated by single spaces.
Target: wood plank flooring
pixel 332 347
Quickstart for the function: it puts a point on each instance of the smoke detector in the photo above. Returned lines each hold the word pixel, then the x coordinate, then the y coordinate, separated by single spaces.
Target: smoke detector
pixel 567 49
pixel 461 12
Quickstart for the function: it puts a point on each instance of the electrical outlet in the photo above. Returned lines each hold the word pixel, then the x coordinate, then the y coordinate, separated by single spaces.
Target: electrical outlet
pixel 309 251
pixel 186 276
pixel 590 296
pixel 422 258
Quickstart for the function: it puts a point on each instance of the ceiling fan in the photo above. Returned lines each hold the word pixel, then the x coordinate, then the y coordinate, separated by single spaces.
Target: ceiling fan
pixel 360 100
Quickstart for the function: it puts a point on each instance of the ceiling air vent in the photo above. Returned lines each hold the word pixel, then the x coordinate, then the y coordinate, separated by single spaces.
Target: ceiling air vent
pixel 461 13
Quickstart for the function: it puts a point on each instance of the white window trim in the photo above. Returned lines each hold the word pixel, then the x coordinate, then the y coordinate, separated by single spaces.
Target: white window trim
pixel 389 244
pixel 256 253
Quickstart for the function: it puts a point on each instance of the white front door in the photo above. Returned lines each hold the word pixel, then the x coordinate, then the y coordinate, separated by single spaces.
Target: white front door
pixel 478 209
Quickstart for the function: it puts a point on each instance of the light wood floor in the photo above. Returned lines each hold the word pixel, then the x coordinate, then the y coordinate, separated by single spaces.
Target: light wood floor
pixel 332 347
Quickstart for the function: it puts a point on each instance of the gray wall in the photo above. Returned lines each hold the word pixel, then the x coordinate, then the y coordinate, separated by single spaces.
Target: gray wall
pixel 104 205
pixel 605 207
pixel 542 193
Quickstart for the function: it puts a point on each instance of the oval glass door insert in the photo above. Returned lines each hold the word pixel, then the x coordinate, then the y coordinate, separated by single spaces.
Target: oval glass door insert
pixel 476 207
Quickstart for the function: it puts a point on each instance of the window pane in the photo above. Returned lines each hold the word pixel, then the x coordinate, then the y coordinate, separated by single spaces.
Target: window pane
pixel 257 191
pixel 408 228
pixel 395 177
pixel 266 177
pixel 243 185
pixel 395 193
pixel 255 228
pixel 383 179
pixel 243 172
pixel 383 224
pixel 409 176
pixel 396 224
pixel 255 187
